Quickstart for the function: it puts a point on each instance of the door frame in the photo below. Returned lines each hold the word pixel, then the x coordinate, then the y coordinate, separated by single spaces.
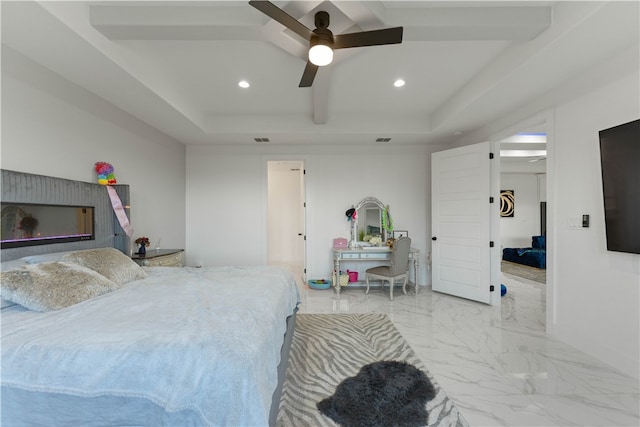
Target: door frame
pixel 544 119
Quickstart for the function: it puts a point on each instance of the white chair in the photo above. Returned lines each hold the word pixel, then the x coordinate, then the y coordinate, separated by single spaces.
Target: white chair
pixel 398 268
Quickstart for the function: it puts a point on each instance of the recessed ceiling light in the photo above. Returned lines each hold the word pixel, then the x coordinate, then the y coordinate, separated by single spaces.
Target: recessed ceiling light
pixel 243 84
pixel 398 83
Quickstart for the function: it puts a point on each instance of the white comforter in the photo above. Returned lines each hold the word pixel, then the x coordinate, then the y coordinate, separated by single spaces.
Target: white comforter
pixel 205 340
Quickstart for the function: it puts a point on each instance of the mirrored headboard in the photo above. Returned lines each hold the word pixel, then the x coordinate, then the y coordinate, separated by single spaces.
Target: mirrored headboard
pixel 25 189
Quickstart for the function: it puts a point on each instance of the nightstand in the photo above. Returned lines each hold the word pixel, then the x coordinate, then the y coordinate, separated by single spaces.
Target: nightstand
pixel 161 258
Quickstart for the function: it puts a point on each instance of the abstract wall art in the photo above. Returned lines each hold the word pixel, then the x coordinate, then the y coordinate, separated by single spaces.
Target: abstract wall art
pixel 507 203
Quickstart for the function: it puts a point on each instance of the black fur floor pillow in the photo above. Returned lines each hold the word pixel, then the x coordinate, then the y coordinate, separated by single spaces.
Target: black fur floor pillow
pixel 382 394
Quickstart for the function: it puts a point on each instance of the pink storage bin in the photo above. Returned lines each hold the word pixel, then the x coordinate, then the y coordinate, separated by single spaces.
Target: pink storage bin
pixel 353 276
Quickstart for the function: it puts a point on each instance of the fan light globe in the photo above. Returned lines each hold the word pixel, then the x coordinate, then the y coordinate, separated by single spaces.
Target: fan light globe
pixel 320 55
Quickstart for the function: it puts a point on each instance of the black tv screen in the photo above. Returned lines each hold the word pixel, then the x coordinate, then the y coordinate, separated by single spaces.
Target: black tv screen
pixel 620 163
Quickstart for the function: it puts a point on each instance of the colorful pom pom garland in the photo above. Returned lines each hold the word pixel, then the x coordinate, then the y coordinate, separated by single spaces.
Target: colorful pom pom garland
pixel 105 173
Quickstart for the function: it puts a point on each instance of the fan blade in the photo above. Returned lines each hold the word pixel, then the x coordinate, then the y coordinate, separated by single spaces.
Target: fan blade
pixel 277 14
pixel 308 75
pixel 368 38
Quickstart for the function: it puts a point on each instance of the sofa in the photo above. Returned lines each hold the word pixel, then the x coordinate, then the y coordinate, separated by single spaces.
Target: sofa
pixel 535 256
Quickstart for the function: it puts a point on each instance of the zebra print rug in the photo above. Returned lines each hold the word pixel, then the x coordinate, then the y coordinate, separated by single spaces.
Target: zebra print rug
pixel 327 348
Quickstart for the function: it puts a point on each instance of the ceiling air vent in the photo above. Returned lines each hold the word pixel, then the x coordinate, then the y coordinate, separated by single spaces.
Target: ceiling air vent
pixel 261 139
pixel 383 139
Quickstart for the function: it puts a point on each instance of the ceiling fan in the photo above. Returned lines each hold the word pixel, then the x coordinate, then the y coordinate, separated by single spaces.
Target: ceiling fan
pixel 321 39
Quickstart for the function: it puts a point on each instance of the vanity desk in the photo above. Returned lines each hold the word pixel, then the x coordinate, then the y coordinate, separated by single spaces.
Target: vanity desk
pixel 372 253
pixel 370 220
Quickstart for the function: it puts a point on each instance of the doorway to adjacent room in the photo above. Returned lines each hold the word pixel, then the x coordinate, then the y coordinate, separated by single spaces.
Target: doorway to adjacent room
pixel 286 215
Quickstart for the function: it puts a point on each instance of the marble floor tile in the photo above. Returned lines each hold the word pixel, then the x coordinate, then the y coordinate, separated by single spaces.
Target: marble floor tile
pixel 535 373
pixel 586 410
pixel 466 373
pixel 502 410
pixel 497 364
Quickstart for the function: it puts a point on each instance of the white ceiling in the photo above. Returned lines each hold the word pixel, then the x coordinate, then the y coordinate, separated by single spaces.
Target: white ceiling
pixel 176 65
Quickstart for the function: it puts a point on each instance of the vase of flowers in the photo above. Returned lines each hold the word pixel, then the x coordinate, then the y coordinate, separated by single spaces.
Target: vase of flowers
pixel 143 242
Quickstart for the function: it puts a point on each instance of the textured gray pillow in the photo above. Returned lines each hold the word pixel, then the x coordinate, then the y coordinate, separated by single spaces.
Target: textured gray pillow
pixel 53 285
pixel 110 262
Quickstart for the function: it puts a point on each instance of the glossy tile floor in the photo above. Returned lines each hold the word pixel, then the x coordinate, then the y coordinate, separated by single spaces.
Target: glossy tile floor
pixel 497 364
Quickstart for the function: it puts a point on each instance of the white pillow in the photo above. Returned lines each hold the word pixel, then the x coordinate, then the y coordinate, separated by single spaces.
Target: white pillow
pixel 110 262
pixel 52 285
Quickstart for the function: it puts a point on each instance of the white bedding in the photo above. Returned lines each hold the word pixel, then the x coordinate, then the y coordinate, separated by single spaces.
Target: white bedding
pixel 200 341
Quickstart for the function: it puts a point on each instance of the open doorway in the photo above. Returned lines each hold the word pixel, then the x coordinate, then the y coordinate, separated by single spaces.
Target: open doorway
pixel 286 216
pixel 523 213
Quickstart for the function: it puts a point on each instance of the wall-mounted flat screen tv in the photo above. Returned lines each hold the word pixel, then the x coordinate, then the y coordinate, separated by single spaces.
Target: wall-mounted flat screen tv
pixel 26 224
pixel 620 164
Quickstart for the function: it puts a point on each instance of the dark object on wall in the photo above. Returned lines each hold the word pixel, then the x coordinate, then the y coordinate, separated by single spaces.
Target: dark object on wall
pixel 620 163
pixel 507 203
pixel 535 256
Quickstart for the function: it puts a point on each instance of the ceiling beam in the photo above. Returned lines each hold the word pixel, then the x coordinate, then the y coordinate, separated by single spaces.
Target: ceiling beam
pixel 470 23
pixel 215 22
pixel 175 22
pixel 366 14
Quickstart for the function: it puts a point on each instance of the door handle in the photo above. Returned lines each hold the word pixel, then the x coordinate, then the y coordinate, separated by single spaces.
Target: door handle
pixel 299 234
pixel 434 238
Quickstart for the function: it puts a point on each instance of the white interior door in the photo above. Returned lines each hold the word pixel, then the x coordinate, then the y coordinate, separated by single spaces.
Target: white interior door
pixel 462 222
pixel 286 214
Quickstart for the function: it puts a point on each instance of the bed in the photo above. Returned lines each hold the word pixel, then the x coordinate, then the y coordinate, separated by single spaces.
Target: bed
pixel 172 346
pixel 534 256
pixel 101 341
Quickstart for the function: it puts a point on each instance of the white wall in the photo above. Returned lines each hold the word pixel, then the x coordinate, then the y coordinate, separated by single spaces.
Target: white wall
pixel 53 127
pixel 597 293
pixel 226 186
pixel 516 231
